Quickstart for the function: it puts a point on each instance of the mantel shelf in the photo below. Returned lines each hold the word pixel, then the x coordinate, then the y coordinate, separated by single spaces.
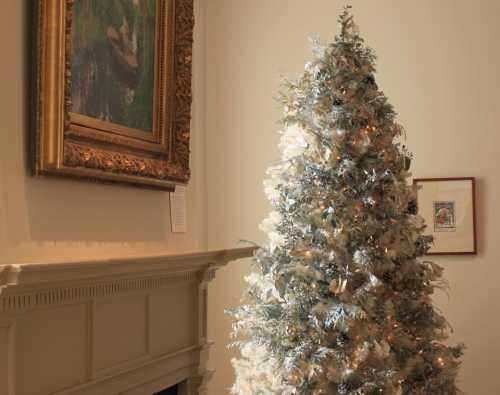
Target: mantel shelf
pixel 40 273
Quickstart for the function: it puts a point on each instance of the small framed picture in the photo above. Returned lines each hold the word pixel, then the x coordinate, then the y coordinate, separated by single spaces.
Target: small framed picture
pixel 448 206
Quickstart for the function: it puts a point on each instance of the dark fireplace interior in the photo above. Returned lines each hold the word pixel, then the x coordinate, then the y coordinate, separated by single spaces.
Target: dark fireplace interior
pixel 168 391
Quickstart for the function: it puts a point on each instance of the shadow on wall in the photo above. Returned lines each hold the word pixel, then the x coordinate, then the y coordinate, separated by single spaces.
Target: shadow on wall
pixel 34 209
pixel 481 215
pixel 71 210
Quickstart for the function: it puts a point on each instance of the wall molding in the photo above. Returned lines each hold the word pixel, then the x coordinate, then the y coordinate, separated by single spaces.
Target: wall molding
pixel 43 297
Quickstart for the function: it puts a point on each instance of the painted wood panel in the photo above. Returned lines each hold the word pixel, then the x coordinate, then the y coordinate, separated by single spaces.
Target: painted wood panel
pixel 120 331
pixel 174 318
pixel 52 349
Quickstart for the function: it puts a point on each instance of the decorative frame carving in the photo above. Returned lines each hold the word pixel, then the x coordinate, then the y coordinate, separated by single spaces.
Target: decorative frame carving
pixel 74 145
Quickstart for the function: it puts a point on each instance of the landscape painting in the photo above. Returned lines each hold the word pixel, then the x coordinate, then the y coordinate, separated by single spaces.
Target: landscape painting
pixel 113 61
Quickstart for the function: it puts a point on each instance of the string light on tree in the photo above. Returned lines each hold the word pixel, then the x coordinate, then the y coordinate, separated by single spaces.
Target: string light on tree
pixel 340 301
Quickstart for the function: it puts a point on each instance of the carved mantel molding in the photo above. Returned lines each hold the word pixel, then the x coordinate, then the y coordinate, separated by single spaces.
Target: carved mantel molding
pixel 26 274
pixel 88 301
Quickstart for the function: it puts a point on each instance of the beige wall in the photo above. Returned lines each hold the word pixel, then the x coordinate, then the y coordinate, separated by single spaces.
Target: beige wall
pixel 52 219
pixel 438 64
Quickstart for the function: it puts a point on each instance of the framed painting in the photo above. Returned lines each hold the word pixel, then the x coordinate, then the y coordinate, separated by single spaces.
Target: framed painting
pixel 112 90
pixel 448 206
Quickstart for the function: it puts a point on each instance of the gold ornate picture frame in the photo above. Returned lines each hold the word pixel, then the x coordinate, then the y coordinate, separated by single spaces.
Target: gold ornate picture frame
pixel 112 90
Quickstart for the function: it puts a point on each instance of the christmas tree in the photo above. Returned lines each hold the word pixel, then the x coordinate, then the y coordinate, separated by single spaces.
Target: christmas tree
pixel 340 299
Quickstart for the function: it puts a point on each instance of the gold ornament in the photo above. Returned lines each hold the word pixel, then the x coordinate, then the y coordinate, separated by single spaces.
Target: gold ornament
pixel 359 209
pixel 291 330
pixel 337 286
pixel 315 337
pixel 296 377
pixel 440 362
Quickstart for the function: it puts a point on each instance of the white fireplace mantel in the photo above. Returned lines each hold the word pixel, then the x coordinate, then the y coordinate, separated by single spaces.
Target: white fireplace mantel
pixel 115 326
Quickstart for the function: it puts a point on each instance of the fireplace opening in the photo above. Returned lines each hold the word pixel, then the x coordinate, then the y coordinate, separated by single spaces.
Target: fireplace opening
pixel 168 391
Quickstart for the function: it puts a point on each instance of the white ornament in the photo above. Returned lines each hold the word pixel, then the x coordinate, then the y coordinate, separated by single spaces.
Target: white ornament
pixel 306 271
pixel 275 240
pixel 362 257
pixel 258 373
pixel 271 222
pixel 295 141
pixel 374 281
pixel 362 143
pixel 270 189
pixel 265 285
pixel 340 133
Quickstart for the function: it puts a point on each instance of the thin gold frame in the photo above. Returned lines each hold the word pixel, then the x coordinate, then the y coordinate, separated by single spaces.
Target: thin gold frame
pixel 74 145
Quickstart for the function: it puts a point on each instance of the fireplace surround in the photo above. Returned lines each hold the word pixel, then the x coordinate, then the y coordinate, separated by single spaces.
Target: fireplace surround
pixel 107 326
pixel 174 390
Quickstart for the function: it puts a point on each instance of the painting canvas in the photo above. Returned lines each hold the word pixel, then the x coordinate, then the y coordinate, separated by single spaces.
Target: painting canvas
pixel 112 90
pixel 112 63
